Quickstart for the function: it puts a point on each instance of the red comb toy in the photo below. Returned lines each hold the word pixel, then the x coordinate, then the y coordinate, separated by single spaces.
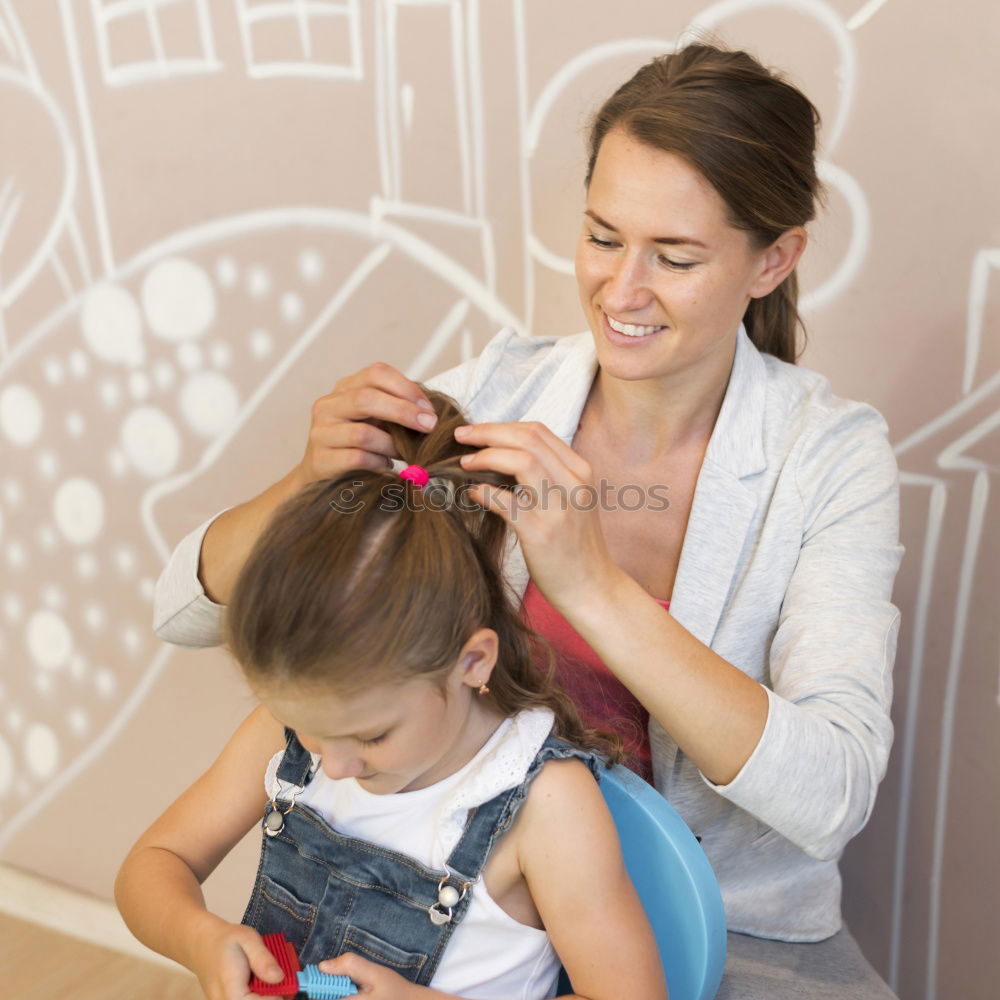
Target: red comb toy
pixel 285 956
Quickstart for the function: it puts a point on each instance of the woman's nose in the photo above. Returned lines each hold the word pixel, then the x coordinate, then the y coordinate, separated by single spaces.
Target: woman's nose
pixel 627 287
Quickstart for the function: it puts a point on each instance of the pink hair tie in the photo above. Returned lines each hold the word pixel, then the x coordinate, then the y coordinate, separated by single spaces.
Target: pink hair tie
pixel 416 475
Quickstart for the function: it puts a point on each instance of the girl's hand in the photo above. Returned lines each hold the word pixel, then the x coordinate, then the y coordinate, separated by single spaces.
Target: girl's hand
pixel 372 980
pixel 227 956
pixel 345 432
pixel 554 511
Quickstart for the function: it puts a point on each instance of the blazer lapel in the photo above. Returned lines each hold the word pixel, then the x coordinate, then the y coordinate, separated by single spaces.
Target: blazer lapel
pixel 725 501
pixel 559 407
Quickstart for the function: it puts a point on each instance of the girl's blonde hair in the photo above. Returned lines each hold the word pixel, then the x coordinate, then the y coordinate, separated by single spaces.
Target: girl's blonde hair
pixel 367 578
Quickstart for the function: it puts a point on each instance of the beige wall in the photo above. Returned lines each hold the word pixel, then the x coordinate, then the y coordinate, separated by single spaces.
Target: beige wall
pixel 206 219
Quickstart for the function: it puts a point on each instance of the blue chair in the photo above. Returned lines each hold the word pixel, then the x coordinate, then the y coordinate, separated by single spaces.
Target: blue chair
pixel 675 883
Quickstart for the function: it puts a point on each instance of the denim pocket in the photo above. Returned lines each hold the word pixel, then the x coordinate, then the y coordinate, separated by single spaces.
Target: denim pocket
pixel 407 963
pixel 277 910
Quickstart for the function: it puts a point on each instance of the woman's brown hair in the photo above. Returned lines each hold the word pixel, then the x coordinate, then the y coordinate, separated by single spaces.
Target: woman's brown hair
pixel 751 134
pixel 366 578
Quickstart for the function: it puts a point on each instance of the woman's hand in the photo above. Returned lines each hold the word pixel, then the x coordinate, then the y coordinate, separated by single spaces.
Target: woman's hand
pixel 227 955
pixel 372 980
pixel 345 432
pixel 554 511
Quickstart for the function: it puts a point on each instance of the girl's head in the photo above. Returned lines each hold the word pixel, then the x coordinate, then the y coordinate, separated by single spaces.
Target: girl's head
pixel 750 137
pixel 367 584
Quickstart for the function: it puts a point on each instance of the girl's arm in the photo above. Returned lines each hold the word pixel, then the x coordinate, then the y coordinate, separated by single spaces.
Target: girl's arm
pixel 158 889
pixel 571 859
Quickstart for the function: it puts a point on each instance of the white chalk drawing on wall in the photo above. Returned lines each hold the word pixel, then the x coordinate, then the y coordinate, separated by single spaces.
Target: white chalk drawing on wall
pixel 144 338
pixel 462 106
pixel 262 26
pixel 865 13
pixel 21 193
pixel 118 19
pixel 953 457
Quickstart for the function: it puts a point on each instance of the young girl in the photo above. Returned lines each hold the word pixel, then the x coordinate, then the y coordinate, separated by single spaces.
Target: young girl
pixel 432 826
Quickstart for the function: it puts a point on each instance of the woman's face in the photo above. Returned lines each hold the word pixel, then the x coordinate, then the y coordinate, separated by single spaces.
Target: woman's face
pixel 664 279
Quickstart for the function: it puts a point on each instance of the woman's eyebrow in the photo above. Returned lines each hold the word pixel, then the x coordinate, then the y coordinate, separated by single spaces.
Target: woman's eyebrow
pixel 668 240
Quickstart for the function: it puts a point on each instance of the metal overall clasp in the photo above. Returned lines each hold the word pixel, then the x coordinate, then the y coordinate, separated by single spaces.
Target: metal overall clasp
pixel 274 821
pixel 448 897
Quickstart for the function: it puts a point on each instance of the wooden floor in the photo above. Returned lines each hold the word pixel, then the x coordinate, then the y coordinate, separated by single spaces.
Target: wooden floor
pixel 40 964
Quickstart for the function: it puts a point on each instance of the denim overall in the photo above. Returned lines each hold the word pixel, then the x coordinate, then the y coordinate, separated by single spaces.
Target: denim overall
pixel 328 893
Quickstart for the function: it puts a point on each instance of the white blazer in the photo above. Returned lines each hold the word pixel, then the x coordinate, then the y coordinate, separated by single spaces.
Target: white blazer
pixel 786 571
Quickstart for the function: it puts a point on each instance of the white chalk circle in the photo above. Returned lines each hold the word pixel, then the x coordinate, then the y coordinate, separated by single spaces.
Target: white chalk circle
pixel 178 299
pixel 226 272
pixel 163 374
pixel 53 371
pixel 78 363
pixel 258 281
pixel 260 343
pixel 106 682
pixel 208 402
pixel 112 325
pixel 310 266
pixel 291 307
pixel 13 608
pixel 93 615
pixel 138 385
pixel 20 415
pixel 86 566
pixel 48 464
pixel 41 750
pixel 190 356
pixel 150 441
pixel 49 641
pixel 78 510
pixel 6 768
pixel 79 723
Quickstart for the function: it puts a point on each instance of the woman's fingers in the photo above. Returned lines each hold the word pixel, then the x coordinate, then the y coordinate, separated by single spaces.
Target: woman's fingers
pixel 354 436
pixel 348 426
pixel 531 438
pixel 377 392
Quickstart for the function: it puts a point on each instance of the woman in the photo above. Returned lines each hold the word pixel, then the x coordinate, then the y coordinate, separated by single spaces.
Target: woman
pixel 767 686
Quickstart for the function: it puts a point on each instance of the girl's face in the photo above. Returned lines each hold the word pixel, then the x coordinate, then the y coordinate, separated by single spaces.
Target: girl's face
pixel 664 279
pixel 395 737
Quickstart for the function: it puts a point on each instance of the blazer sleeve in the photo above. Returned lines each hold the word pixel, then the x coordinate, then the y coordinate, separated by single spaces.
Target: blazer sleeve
pixel 184 615
pixel 815 771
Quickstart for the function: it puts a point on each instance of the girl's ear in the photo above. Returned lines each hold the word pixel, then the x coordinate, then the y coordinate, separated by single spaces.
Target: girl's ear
pixel 478 657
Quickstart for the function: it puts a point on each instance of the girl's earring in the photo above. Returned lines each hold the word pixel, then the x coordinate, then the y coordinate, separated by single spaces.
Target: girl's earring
pixel 483 689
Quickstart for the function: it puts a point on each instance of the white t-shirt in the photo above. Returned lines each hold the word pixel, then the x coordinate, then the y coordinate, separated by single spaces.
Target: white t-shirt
pixel 490 956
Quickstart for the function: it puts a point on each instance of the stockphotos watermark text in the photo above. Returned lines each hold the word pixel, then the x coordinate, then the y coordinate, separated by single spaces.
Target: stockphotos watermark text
pixel 440 494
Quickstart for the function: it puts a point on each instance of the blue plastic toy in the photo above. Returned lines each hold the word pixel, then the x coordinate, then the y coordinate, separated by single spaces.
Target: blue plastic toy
pixel 320 986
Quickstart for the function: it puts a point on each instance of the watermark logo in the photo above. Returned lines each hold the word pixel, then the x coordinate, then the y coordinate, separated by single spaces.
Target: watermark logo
pixel 442 494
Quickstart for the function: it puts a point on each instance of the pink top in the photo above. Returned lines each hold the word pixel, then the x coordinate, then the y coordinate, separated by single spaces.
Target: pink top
pixel 601 699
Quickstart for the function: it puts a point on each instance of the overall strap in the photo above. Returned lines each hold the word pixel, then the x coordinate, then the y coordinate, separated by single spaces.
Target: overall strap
pixel 296 765
pixel 493 818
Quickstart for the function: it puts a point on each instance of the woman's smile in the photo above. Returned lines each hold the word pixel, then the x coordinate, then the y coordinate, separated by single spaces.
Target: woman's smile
pixel 627 334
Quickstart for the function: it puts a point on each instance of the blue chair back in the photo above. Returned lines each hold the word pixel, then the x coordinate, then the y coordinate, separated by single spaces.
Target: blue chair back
pixel 675 882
